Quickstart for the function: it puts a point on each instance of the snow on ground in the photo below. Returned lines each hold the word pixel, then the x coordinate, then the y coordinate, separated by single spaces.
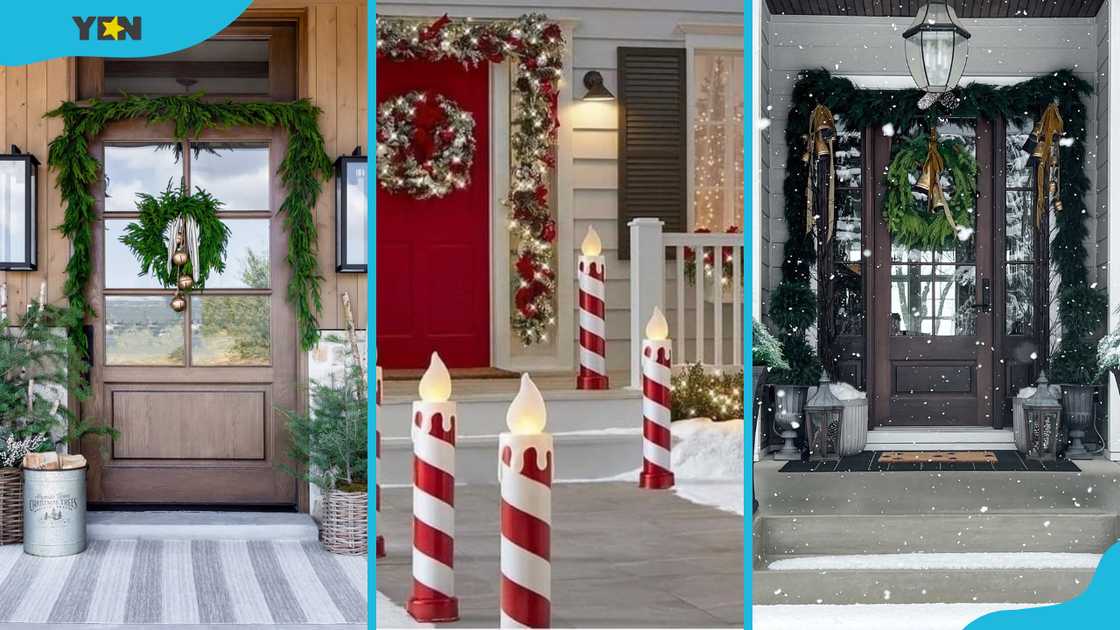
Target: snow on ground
pixel 928 561
pixel 392 617
pixel 707 463
pixel 874 616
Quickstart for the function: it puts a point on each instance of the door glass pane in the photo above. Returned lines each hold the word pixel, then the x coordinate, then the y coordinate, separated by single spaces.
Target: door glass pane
pixel 1018 175
pixel 139 168
pixel 13 210
pixel 849 156
pixel 230 330
pixel 142 331
pixel 848 235
pixel 246 257
pixel 932 295
pixel 121 267
pixel 1019 223
pixel 236 173
pixel 357 214
pixel 1020 298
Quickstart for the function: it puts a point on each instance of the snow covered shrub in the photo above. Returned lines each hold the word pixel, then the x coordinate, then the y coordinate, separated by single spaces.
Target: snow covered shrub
pixel 1108 352
pixel 698 393
pixel 765 350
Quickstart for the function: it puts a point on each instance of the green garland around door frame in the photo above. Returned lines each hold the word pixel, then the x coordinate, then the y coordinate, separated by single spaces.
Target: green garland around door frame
pixel 304 169
pixel 861 108
pixel 913 224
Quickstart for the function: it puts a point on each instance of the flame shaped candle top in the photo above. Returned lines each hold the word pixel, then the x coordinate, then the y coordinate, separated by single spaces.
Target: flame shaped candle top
pixel 592 245
pixel 435 385
pixel 527 414
pixel 657 329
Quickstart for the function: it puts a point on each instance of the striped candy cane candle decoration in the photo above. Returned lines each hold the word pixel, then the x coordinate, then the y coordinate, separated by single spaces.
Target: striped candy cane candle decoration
pixel 656 382
pixel 433 498
pixel 377 446
pixel 592 309
pixel 525 474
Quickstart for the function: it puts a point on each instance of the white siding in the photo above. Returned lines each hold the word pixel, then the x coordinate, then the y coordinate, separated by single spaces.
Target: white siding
pixel 598 34
pixel 1101 209
pixel 762 256
pixel 873 47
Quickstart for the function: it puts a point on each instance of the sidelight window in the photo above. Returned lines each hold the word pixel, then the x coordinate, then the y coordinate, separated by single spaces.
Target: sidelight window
pixel 1019 233
pixel 228 323
pixel 847 279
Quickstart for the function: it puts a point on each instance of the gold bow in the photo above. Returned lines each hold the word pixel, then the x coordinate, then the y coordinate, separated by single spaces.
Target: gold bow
pixel 1043 145
pixel 819 146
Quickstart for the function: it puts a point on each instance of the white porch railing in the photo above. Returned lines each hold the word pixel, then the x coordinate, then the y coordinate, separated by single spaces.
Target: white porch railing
pixel 718 300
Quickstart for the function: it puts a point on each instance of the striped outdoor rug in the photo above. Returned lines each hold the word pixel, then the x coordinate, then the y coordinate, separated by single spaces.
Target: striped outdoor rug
pixel 184 582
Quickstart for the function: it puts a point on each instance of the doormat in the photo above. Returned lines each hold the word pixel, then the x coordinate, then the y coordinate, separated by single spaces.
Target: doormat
pixel 874 461
pixel 900 457
pixel 148 582
pixel 480 373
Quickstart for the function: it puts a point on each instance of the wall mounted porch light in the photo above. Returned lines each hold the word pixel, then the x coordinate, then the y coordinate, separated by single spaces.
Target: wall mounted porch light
pixel 18 210
pixel 596 91
pixel 351 213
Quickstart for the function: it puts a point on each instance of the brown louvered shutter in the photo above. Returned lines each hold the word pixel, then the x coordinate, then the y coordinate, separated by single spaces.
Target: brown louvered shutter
pixel 651 139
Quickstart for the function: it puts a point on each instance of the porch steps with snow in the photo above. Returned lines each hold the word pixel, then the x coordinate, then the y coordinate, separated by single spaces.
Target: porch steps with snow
pixel 940 439
pixel 1029 557
pixel 599 432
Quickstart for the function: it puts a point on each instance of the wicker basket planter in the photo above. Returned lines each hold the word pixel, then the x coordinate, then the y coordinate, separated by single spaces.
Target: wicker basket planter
pixel 343 528
pixel 11 506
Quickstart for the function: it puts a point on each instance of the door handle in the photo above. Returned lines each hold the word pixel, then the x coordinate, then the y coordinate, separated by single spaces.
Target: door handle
pixel 985 305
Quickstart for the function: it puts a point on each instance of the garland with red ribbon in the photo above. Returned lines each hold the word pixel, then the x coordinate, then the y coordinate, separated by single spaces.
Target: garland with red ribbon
pixel 535 47
pixel 425 145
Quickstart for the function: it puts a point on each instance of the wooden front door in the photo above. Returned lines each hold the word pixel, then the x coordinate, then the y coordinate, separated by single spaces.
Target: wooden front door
pixel 195 395
pixel 433 255
pixel 933 354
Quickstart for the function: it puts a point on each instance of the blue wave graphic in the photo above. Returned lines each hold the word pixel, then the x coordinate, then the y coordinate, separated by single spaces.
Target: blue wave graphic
pixel 1084 611
pixel 37 31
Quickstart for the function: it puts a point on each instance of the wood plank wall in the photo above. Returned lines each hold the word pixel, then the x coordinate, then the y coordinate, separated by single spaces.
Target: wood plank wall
pixel 26 94
pixel 335 79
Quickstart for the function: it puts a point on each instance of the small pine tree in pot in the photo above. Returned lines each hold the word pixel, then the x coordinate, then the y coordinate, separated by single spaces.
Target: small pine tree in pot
pixel 329 446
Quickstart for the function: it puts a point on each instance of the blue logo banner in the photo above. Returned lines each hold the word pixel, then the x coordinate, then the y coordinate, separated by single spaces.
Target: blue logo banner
pixel 124 28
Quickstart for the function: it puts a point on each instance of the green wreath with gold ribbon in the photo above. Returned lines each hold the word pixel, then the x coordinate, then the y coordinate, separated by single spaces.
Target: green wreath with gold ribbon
pixel 915 224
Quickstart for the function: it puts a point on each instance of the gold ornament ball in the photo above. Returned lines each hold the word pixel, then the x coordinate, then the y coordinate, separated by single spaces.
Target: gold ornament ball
pixel 179 258
pixel 185 283
pixel 178 303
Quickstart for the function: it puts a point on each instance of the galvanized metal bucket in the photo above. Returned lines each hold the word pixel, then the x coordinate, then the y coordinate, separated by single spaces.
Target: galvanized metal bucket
pixel 54 511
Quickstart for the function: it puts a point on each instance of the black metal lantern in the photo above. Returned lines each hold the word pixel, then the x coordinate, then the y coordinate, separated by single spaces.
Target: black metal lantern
pixel 18 211
pixel 596 90
pixel 1043 413
pixel 824 416
pixel 351 203
pixel 936 50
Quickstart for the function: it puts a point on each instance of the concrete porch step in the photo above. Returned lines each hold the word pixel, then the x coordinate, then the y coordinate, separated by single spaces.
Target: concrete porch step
pixel 918 587
pixel 176 525
pixel 1095 488
pixel 939 439
pixel 580 456
pixel 1060 532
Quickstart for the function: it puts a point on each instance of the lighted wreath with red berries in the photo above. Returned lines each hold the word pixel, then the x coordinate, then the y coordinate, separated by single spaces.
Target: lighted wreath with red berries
pixel 726 255
pixel 425 145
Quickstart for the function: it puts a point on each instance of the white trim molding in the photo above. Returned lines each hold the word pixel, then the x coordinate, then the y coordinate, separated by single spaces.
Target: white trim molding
pixel 1113 202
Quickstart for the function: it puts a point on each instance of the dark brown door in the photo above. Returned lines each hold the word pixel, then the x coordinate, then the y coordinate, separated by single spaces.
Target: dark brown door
pixel 932 350
pixel 195 395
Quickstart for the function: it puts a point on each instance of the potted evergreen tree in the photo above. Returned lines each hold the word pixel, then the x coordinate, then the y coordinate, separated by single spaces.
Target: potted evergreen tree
pixel 329 445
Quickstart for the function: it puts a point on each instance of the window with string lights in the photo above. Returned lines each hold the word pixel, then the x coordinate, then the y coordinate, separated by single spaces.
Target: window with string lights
pixel 717 133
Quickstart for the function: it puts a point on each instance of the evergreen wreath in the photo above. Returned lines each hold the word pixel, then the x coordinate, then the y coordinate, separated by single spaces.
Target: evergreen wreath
pixel 425 145
pixel 147 238
pixel 535 48
pixel 872 108
pixel 911 223
pixel 303 170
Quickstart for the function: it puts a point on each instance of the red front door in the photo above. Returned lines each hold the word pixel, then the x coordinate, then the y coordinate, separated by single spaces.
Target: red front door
pixel 433 281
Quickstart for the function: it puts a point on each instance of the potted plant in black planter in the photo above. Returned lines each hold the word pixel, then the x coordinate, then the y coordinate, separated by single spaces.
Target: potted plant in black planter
pixel 766 355
pixel 1074 366
pixel 793 309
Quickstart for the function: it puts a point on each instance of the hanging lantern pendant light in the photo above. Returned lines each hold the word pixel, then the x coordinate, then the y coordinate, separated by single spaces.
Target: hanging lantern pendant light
pixel 936 52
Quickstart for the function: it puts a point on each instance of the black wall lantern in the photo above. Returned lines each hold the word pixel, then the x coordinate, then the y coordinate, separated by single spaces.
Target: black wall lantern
pixel 596 90
pixel 18 211
pixel 351 203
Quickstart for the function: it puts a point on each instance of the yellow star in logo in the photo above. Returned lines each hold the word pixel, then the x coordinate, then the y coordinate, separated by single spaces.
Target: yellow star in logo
pixel 113 28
